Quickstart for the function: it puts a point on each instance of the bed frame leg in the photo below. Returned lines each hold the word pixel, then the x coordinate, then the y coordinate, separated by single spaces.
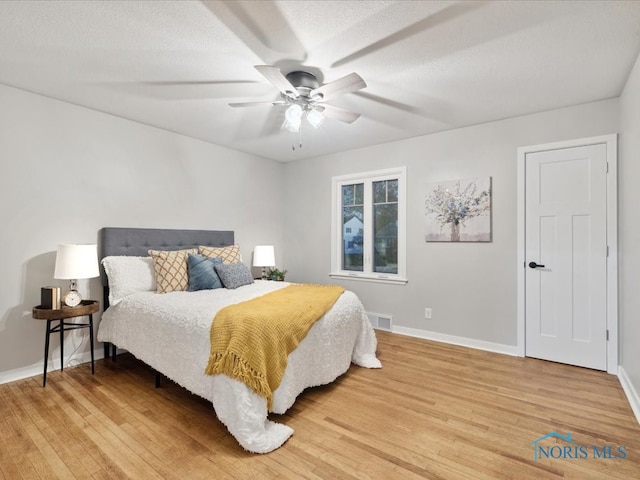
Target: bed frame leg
pixel 110 351
pixel 158 379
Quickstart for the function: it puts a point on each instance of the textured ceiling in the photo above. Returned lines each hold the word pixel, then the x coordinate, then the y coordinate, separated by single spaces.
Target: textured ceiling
pixel 429 65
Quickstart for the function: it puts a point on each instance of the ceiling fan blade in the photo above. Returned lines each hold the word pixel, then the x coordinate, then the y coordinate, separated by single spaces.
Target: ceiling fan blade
pixel 275 76
pixel 447 14
pixel 331 111
pixel 261 26
pixel 347 84
pixel 171 83
pixel 389 103
pixel 256 104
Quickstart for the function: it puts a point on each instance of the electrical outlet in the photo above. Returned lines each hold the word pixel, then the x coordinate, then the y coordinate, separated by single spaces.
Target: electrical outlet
pixel 427 313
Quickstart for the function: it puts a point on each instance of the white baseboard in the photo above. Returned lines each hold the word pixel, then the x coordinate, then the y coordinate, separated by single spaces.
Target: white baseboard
pixel 38 368
pixel 461 341
pixel 630 392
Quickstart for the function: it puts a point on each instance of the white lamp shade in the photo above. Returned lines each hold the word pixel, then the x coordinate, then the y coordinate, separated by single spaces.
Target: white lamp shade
pixel 76 261
pixel 264 256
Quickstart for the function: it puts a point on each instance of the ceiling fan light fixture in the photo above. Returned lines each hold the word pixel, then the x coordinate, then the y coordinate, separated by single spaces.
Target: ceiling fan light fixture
pixel 315 118
pixel 305 97
pixel 293 113
pixel 293 118
pixel 292 125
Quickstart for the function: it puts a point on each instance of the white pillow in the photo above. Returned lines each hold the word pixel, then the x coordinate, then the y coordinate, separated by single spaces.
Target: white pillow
pixel 128 275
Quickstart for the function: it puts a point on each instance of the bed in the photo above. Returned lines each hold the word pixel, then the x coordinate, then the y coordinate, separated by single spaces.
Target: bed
pixel 171 333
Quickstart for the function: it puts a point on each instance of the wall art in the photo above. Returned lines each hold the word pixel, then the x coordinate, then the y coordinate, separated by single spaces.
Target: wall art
pixel 458 211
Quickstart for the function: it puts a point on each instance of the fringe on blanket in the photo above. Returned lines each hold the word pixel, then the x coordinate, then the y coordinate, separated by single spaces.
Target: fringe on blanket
pixel 242 371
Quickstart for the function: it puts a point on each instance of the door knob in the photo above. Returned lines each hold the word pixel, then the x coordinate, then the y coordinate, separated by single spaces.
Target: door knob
pixel 535 265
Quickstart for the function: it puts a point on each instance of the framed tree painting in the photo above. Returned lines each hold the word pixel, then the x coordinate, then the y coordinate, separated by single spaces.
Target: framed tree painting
pixel 458 211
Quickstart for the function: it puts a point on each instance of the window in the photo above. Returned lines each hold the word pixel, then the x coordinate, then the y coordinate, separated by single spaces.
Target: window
pixel 369 223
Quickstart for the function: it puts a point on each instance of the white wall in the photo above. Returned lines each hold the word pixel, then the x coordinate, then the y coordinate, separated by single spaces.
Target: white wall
pixel 471 287
pixel 629 228
pixel 67 171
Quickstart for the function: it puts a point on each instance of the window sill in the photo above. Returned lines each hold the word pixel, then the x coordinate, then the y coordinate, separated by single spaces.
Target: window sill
pixel 370 277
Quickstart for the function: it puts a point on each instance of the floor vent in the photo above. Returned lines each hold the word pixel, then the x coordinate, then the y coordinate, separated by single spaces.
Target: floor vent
pixel 380 321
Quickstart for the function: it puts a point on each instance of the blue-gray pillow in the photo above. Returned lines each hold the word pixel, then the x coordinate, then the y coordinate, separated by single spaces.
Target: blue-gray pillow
pixel 202 273
pixel 234 275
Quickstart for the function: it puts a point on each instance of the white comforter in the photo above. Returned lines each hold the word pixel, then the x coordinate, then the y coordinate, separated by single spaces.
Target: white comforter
pixel 170 332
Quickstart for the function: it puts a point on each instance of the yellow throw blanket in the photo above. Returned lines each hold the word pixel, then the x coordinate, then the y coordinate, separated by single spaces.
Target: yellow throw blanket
pixel 250 341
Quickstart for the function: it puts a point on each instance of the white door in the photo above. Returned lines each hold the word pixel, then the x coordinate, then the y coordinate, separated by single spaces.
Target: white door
pixel 566 255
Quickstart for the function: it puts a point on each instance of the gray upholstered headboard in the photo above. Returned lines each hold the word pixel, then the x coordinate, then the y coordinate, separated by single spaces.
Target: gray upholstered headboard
pixel 137 242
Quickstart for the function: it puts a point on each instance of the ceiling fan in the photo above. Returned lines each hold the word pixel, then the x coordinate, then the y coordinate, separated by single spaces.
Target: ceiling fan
pixel 306 97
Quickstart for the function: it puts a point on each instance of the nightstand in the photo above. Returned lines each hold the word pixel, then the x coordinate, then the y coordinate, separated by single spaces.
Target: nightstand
pixel 86 308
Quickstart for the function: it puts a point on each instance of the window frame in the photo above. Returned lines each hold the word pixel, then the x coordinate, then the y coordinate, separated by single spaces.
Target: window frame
pixel 399 173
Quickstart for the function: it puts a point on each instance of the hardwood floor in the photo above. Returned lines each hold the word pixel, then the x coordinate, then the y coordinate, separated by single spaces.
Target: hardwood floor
pixel 434 411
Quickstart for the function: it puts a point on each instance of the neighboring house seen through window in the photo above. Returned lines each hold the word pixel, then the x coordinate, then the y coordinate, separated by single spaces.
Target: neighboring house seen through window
pixel 369 223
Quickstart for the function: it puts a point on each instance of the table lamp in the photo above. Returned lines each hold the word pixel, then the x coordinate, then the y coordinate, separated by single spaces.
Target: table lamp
pixel 72 263
pixel 264 256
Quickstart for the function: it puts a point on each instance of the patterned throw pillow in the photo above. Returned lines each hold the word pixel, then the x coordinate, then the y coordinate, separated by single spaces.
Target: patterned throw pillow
pixel 202 273
pixel 171 269
pixel 234 275
pixel 230 254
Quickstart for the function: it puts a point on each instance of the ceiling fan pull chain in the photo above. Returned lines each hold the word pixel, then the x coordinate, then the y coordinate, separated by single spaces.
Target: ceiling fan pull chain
pixel 293 147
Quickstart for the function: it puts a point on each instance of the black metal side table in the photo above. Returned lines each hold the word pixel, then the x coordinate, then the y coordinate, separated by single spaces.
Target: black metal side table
pixel 86 308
